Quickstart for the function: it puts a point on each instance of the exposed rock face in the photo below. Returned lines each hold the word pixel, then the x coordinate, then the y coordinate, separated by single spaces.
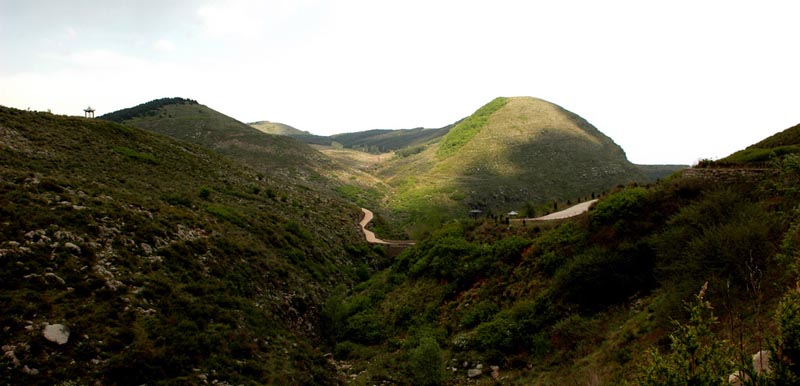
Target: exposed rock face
pixel 56 333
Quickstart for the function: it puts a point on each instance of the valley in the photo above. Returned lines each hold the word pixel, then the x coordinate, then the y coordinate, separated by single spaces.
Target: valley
pixel 171 244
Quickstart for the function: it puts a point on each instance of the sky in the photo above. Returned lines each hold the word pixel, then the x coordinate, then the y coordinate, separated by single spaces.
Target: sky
pixel 672 82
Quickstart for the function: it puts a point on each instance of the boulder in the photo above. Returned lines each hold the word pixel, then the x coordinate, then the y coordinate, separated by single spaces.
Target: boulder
pixel 472 373
pixel 56 333
pixel 761 362
pixel 738 378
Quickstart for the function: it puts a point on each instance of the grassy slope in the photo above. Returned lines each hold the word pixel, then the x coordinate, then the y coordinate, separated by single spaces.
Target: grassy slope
pixel 527 150
pixel 266 153
pixel 204 126
pixel 161 257
pixel 780 144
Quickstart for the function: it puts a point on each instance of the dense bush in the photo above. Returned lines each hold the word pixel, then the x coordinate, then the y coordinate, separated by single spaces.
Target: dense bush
pixel 619 206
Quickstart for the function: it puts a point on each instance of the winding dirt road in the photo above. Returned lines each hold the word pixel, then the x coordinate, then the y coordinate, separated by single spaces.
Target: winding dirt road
pixel 566 213
pixel 370 235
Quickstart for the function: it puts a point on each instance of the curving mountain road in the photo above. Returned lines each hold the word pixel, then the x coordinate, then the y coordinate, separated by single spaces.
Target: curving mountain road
pixel 566 213
pixel 370 235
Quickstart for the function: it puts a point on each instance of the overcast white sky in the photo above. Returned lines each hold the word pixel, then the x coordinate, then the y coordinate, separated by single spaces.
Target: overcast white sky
pixel 669 81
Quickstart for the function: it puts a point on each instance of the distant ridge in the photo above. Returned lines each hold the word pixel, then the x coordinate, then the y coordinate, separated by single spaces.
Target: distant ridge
pixel 276 128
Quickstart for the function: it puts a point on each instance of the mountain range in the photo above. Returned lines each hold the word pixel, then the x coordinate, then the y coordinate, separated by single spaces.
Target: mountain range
pixel 171 244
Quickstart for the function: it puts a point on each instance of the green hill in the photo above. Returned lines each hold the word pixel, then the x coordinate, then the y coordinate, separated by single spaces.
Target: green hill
pixel 780 144
pixel 511 154
pixel 269 154
pixel 201 125
pixel 167 262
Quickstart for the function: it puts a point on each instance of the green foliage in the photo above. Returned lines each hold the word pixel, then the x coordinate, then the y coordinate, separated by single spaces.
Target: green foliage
pixel 786 346
pixel 755 155
pixel 478 313
pixel 722 232
pixel 697 356
pixel 364 197
pixel 409 151
pixel 620 205
pixel 227 213
pixel 133 154
pixel 426 363
pixel 463 132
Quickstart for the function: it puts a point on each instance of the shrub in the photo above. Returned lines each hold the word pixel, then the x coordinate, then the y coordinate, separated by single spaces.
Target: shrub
pixel 205 192
pixel 426 363
pixel 697 356
pixel 620 205
pixel 787 343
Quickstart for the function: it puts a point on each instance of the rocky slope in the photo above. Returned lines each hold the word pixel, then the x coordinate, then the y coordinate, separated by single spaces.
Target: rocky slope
pixel 127 257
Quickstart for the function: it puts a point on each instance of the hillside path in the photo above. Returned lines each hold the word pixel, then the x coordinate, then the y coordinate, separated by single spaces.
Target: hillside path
pixel 372 239
pixel 370 235
pixel 572 211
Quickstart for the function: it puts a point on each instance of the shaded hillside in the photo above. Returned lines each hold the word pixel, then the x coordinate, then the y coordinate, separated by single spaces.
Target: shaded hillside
pixel 382 141
pixel 512 153
pixel 267 153
pixel 201 125
pixel 778 145
pixel 168 263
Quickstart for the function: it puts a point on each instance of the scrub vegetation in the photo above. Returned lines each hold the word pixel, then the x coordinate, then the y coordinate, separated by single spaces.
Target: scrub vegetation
pixel 180 248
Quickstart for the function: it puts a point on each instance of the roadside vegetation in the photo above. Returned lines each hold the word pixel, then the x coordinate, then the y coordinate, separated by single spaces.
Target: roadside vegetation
pixel 575 302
